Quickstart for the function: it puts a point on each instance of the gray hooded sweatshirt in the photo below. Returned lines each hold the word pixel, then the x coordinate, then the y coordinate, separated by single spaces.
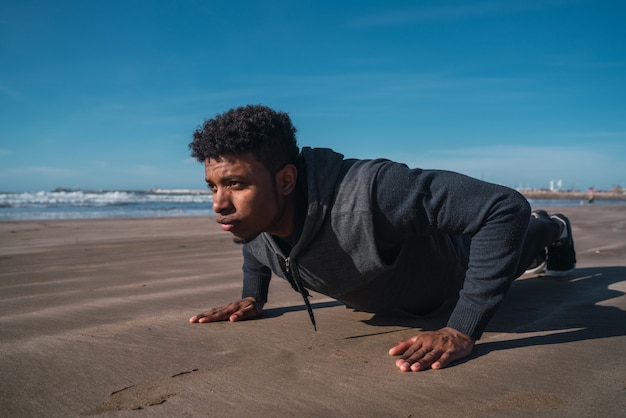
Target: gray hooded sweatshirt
pixel 381 237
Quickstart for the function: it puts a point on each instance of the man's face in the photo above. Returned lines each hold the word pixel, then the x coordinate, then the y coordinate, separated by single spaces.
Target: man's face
pixel 246 198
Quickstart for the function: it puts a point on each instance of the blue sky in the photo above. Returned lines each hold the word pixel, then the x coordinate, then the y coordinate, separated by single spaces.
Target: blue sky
pixel 106 94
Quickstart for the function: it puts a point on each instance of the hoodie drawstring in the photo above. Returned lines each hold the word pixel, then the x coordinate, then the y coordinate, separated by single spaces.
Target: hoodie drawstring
pixel 296 283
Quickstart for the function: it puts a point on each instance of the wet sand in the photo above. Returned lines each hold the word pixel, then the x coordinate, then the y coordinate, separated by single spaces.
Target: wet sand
pixel 93 322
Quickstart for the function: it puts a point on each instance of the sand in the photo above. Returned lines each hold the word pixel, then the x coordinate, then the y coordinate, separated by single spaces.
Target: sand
pixel 93 322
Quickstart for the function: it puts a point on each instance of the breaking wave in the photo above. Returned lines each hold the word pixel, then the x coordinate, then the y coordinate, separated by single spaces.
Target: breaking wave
pixel 77 204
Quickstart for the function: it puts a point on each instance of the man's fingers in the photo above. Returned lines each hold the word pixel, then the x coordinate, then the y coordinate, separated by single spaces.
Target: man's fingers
pixel 246 312
pixel 241 314
pixel 234 311
pixel 403 365
pixel 199 318
pixel 443 361
pixel 397 349
pixel 402 347
pixel 450 356
pixel 209 316
pixel 206 318
pixel 203 318
pixel 423 361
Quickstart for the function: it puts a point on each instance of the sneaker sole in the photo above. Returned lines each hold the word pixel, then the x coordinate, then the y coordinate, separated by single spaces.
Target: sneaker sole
pixel 536 270
pixel 560 273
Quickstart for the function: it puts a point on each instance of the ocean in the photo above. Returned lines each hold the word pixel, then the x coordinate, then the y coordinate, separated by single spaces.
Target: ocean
pixel 83 204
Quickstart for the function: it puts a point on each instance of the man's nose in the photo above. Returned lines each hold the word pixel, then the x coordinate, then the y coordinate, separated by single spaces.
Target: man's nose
pixel 221 201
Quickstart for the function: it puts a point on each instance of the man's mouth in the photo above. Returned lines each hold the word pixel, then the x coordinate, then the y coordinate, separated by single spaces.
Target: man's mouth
pixel 226 224
pixel 227 227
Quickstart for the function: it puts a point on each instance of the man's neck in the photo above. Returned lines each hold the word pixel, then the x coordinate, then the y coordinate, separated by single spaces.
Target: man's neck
pixel 296 213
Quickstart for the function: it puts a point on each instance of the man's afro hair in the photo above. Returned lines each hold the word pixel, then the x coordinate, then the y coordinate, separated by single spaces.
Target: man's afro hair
pixel 269 135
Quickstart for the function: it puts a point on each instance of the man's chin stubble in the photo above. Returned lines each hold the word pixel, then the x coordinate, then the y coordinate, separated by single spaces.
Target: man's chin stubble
pixel 239 240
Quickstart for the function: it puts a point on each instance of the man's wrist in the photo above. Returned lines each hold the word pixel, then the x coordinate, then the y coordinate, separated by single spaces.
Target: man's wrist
pixel 258 306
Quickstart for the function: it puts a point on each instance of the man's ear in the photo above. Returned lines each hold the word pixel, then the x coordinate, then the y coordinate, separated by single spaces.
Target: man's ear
pixel 286 179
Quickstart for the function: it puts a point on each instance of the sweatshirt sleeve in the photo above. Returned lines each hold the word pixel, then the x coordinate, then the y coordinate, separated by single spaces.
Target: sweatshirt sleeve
pixel 256 277
pixel 494 217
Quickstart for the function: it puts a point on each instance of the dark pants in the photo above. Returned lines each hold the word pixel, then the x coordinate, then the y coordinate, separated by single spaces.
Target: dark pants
pixel 446 259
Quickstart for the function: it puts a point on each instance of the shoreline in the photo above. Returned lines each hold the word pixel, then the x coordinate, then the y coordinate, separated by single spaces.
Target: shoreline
pixel 541 194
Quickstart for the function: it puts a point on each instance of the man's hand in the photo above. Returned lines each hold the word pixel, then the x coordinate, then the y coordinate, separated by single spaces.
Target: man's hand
pixel 235 311
pixel 432 349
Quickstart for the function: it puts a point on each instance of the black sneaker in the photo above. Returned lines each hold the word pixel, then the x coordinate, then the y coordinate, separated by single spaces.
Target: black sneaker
pixel 538 213
pixel 561 254
pixel 538 264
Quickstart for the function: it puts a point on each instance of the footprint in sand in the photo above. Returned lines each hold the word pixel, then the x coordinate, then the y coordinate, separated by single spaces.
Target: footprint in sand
pixel 140 396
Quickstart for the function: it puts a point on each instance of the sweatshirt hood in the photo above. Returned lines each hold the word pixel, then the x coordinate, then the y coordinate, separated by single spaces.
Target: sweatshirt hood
pixel 319 163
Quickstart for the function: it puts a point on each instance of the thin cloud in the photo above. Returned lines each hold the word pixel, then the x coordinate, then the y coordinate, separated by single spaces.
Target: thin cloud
pixel 359 87
pixel 43 171
pixel 447 13
pixel 145 170
pixel 599 134
pixel 10 92
pixel 518 166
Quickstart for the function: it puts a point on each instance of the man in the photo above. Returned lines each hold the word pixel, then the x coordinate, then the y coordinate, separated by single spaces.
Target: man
pixel 374 234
